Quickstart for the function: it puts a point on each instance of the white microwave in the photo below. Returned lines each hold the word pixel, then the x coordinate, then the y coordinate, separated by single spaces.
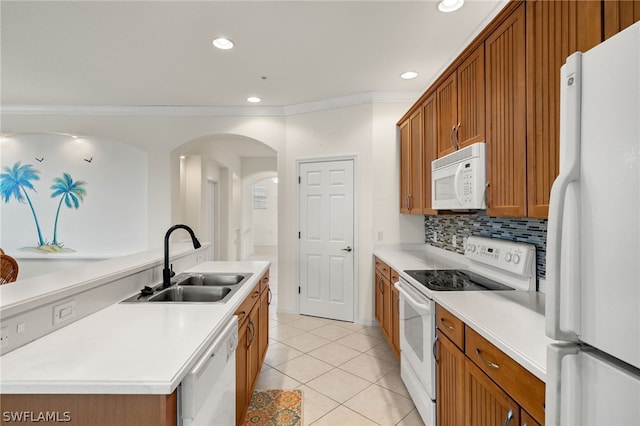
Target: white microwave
pixel 458 180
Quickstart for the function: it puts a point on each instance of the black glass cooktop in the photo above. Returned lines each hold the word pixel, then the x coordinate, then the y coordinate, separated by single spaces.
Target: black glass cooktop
pixel 455 280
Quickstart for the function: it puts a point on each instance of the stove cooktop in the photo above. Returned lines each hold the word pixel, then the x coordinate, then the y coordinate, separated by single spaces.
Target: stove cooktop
pixel 455 280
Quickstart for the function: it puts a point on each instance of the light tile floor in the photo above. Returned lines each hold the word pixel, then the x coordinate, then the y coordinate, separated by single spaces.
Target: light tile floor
pixel 347 371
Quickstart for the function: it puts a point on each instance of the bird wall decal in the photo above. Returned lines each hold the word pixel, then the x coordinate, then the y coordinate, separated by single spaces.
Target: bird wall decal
pixel 89 160
pixel 39 160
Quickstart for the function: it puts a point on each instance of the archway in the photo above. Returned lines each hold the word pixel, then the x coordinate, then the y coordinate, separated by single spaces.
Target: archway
pixel 224 162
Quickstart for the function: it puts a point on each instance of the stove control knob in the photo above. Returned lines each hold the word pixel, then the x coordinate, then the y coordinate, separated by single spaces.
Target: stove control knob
pixel 507 257
pixel 471 248
pixel 516 259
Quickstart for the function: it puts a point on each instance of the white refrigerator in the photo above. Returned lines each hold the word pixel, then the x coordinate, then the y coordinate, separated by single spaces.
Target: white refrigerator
pixel 593 240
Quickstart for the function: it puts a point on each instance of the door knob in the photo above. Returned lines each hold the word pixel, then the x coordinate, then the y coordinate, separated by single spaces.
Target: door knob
pixel 347 249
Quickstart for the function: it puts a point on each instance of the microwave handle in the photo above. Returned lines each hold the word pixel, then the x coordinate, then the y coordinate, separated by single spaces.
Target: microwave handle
pixel 456 182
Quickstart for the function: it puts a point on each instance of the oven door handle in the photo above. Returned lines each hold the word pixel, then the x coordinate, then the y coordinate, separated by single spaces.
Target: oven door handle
pixel 424 307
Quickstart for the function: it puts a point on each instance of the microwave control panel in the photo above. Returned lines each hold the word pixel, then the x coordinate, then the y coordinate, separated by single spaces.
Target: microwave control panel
pixel 467 184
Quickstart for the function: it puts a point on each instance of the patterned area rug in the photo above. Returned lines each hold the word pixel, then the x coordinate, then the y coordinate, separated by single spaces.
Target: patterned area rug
pixel 275 407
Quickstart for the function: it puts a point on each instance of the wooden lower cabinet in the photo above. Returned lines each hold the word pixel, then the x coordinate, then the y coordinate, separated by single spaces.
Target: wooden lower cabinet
pixel 379 297
pixel 477 384
pixel 95 410
pixel 395 321
pixel 486 403
pixel 242 382
pixel 386 299
pixel 253 340
pixel 527 420
pixel 450 382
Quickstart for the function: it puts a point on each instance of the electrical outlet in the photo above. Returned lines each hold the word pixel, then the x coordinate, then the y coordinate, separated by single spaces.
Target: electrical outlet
pixel 454 240
pixel 64 312
pixel 21 327
pixel 4 336
pixel 380 236
pixel 435 237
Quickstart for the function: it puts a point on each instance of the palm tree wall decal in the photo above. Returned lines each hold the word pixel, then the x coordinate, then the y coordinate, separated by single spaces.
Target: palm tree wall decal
pixel 15 182
pixel 70 192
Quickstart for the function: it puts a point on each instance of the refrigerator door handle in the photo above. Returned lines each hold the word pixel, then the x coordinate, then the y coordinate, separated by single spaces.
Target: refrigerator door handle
pixel 570 105
pixel 558 409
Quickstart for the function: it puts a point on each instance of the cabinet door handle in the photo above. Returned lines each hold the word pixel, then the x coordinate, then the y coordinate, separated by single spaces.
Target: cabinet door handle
pixel 252 333
pixel 243 315
pixel 507 420
pixel 255 294
pixel 451 138
pixel 486 194
pixel 457 136
pixel 270 296
pixel 486 361
pixel 447 324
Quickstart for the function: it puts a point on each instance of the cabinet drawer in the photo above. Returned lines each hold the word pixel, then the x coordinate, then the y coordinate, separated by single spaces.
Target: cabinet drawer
pixel 383 269
pixel 245 308
pixel 264 281
pixel 520 384
pixel 450 326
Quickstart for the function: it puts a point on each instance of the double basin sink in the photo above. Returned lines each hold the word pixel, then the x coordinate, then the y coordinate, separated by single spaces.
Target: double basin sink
pixel 210 287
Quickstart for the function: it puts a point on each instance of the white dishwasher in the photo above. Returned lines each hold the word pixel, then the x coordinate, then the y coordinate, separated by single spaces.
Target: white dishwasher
pixel 208 392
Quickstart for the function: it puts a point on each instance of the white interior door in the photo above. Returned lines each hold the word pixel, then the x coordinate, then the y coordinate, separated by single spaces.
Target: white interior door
pixel 326 239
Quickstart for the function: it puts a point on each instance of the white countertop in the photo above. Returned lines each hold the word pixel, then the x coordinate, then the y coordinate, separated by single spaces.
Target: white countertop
pixel 511 320
pixel 128 348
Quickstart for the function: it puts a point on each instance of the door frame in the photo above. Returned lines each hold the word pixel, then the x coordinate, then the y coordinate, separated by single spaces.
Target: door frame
pixel 356 239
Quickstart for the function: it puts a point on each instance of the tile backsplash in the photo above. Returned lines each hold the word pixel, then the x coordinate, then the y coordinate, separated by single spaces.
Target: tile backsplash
pixel 532 231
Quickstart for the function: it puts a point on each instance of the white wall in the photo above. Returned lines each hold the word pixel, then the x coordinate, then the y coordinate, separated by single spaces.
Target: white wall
pixel 366 131
pixel 259 227
pixel 265 221
pixel 114 177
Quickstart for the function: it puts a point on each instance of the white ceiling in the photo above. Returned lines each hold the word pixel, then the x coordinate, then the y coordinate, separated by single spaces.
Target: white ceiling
pixel 143 53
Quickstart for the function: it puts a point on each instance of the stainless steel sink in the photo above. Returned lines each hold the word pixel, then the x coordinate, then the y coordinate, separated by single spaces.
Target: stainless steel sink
pixel 210 279
pixel 194 287
pixel 191 294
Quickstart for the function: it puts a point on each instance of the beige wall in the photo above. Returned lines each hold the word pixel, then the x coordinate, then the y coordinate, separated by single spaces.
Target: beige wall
pixel 367 132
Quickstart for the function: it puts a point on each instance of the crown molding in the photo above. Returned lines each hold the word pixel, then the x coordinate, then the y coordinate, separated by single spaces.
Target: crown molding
pixel 211 111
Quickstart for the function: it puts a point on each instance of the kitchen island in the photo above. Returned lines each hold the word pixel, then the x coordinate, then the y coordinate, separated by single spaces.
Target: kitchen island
pixel 124 357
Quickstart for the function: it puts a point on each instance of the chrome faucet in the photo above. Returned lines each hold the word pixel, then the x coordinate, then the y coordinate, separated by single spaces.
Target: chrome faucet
pixel 167 272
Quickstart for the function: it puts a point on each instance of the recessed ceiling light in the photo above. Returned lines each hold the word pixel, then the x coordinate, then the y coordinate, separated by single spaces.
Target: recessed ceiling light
pixel 222 43
pixel 450 5
pixel 409 75
pixel 253 99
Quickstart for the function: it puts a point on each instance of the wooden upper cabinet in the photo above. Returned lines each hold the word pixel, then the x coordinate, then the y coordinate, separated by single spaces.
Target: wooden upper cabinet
pixel 471 85
pixel 506 103
pixel 405 167
pixel 447 112
pixel 619 14
pixel 555 30
pixel 416 137
pixel 430 149
pixel 460 105
pixel 411 157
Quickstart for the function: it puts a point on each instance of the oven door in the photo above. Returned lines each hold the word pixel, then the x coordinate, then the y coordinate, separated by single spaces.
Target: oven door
pixel 417 334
